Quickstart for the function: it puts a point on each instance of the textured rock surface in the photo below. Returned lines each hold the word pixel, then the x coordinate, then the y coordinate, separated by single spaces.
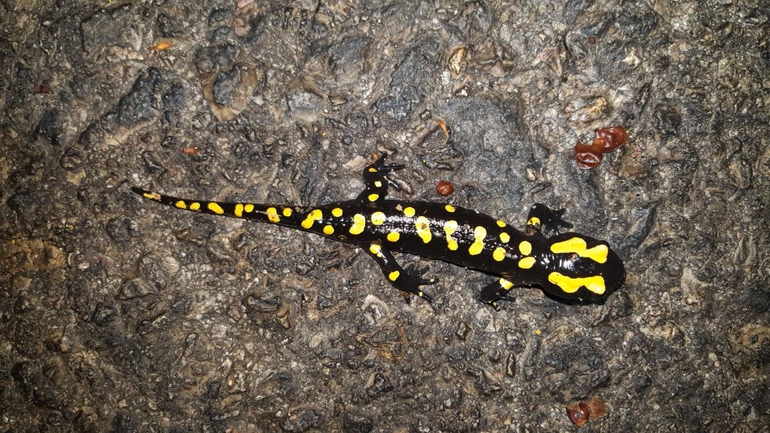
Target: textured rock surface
pixel 119 315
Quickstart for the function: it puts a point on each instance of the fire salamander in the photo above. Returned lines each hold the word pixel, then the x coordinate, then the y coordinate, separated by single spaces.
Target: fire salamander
pixel 566 265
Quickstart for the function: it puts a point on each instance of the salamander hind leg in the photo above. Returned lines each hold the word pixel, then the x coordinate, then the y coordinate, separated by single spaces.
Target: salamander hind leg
pixel 496 291
pixel 543 218
pixel 407 280
pixel 376 180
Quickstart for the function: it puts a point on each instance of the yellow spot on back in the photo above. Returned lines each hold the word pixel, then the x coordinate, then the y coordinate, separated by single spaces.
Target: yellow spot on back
pixel 195 206
pixel 505 237
pixel 376 250
pixel 378 218
pixel 422 225
pixel 249 208
pixel 287 212
pixel 500 223
pixel 409 211
pixel 527 262
pixel 450 227
pixel 359 222
pixel 180 204
pixel 373 197
pixel 393 236
pixel 337 212
pixel 272 215
pixel 499 254
pixel 449 208
pixel 238 210
pixel 594 284
pixel 505 284
pixel 578 246
pixel 314 215
pixel 328 230
pixel 479 233
pixel 393 276
pixel 378 184
pixel 216 208
pixel 525 248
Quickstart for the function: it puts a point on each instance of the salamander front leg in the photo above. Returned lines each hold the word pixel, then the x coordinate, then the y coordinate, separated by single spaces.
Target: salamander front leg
pixel 408 280
pixel 495 291
pixel 543 218
pixel 376 180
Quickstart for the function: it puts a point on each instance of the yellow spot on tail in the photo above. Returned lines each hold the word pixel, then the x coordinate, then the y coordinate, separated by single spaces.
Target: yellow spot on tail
pixel 181 204
pixel 328 230
pixel 238 210
pixel 527 262
pixel 151 195
pixel 505 284
pixel 249 208
pixel 393 236
pixel 525 248
pixel 216 208
pixel 372 170
pixel 534 221
pixel 500 223
pixel 272 215
pixel 449 208
pixel 378 218
pixel 287 212
pixel 422 225
pixel 578 246
pixel 505 237
pixel 376 250
pixel 409 212
pixel 393 276
pixel 359 222
pixel 378 184
pixel 337 212
pixel 594 284
pixel 450 227
pixel 195 206
pixel 499 254
pixel 479 233
pixel 373 197
pixel 314 215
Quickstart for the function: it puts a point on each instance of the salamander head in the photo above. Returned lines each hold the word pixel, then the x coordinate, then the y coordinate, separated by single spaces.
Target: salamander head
pixel 581 267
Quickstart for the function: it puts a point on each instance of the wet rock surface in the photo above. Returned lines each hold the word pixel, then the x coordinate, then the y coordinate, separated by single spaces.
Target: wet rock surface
pixel 120 315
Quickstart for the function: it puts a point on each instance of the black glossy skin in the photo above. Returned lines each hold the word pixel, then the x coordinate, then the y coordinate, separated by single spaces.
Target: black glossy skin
pixel 381 226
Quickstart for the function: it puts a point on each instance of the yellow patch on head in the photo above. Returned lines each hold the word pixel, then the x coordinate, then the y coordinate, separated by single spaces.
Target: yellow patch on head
pixel 378 218
pixel 499 254
pixel 393 237
pixel 577 245
pixel 393 276
pixel 525 248
pixel 534 221
pixel 195 206
pixel 287 212
pixel 238 210
pixel 422 225
pixel 328 230
pixel 359 223
pixel 527 262
pixel 337 212
pixel 594 284
pixel 450 227
pixel 372 170
pixel 500 223
pixel 409 211
pixel 272 215
pixel 314 215
pixel 505 284
pixel 373 197
pixel 449 208
pixel 505 237
pixel 181 204
pixel 216 208
pixel 249 208
pixel 479 233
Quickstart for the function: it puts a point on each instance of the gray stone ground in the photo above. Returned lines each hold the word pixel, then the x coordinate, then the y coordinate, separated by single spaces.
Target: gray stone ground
pixel 119 315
